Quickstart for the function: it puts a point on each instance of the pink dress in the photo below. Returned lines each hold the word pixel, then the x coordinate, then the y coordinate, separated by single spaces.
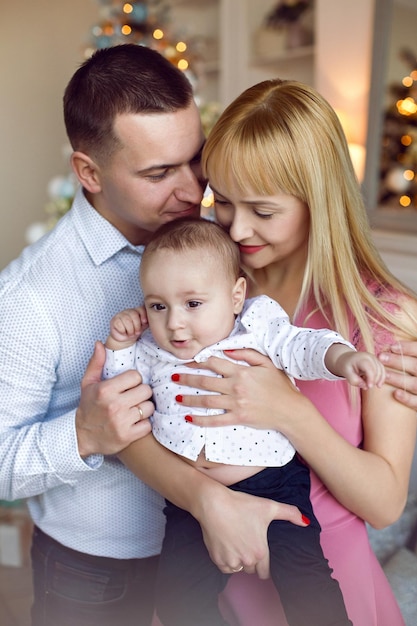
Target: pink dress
pixel 368 596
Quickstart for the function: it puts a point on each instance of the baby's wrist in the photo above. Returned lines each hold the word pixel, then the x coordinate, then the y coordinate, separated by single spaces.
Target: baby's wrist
pixel 114 344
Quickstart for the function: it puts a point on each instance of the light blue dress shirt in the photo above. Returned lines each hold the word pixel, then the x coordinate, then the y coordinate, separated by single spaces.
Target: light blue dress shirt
pixel 56 300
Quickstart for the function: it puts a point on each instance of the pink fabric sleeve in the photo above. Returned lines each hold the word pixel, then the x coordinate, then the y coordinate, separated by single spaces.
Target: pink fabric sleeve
pixel 383 337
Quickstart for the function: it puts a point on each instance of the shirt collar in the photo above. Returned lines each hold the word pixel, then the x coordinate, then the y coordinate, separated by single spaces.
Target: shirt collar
pixel 101 239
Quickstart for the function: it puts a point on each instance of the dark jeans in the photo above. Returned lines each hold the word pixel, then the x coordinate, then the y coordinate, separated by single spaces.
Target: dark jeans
pixel 76 589
pixel 189 582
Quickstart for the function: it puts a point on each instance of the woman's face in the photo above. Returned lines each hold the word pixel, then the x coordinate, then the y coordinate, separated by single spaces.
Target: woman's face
pixel 268 229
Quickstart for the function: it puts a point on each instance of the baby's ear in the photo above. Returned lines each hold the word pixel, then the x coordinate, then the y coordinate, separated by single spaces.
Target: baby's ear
pixel 239 294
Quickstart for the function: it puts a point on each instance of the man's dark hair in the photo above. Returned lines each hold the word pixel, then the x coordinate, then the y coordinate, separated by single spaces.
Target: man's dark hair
pixel 122 79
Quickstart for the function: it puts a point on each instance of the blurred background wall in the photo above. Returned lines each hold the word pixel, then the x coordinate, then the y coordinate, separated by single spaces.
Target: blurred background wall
pixel 41 45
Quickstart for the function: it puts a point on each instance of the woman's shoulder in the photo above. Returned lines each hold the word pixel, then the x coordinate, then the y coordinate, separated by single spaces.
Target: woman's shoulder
pixel 382 291
pixel 401 309
pixel 400 301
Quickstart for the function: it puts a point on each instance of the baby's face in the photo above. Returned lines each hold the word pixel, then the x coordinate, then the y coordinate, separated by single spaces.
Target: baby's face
pixel 190 301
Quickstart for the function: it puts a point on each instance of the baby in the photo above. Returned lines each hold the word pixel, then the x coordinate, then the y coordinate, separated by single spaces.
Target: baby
pixel 195 307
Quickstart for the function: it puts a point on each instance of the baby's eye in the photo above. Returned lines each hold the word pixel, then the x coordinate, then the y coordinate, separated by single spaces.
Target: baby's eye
pixel 193 304
pixel 157 307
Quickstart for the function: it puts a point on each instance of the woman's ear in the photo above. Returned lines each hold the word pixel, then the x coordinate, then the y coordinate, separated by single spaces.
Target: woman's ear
pixel 239 294
pixel 87 171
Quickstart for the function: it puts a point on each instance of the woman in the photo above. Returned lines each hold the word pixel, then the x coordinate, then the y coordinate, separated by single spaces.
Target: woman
pixel 284 188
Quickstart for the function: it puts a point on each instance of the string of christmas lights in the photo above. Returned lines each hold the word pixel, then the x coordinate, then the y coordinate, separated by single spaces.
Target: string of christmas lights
pixel 398 170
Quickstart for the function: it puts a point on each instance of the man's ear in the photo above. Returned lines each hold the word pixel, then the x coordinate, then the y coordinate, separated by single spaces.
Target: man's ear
pixel 238 295
pixel 87 171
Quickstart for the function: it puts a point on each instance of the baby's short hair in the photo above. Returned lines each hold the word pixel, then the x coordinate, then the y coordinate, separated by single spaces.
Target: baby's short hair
pixel 187 234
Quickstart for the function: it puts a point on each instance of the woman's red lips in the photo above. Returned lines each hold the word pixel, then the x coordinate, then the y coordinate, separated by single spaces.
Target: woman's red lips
pixel 250 249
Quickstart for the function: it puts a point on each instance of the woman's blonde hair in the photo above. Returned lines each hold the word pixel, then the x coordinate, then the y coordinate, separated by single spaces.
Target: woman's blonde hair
pixel 283 136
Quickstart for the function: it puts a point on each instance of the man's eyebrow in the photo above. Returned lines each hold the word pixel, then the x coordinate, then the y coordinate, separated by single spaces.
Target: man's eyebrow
pixel 161 166
pixel 165 166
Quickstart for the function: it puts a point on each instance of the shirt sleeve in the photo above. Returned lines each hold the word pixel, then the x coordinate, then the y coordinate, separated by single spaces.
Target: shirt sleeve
pixel 300 352
pixel 118 361
pixel 132 358
pixel 38 442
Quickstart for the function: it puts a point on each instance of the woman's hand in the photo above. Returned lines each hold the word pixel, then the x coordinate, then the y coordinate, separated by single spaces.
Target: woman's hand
pixel 402 372
pixel 235 526
pixel 246 393
pixel 262 396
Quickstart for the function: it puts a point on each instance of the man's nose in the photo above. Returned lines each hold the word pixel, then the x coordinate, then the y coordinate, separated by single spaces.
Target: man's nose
pixel 191 185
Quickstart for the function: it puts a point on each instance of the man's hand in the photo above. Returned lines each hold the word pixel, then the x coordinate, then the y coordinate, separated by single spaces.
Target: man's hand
pixel 112 413
pixel 402 372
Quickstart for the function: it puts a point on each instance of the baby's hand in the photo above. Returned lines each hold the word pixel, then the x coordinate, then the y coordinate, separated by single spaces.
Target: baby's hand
pixel 362 369
pixel 126 327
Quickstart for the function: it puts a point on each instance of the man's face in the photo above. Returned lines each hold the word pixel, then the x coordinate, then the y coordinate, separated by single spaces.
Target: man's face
pixel 155 177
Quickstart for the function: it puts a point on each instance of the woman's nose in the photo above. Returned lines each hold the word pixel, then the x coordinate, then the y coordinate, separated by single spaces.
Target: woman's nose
pixel 240 228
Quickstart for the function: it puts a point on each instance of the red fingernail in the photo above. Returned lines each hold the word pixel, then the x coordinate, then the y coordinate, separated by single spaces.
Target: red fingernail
pixel 305 520
pixel 188 418
pixel 178 398
pixel 175 377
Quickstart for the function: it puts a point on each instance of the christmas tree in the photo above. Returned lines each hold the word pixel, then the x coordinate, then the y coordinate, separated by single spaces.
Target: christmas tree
pixel 146 23
pixel 398 169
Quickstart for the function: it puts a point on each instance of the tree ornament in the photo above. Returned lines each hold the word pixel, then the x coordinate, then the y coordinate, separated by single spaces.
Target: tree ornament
pixel 395 180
